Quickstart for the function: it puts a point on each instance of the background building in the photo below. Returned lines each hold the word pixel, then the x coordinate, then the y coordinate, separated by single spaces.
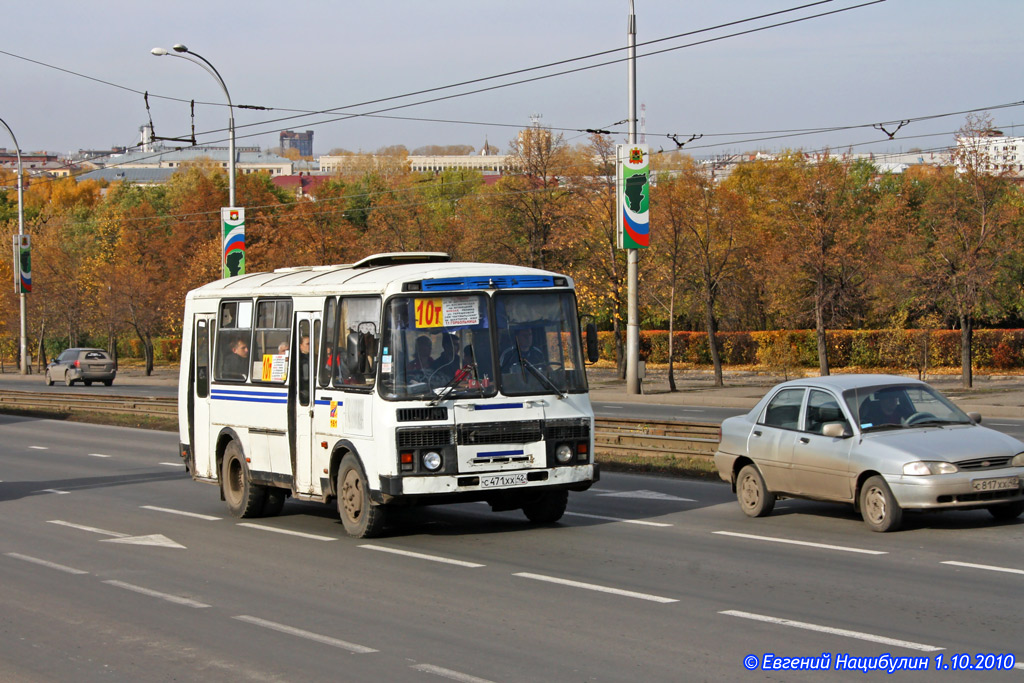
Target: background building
pixel 300 141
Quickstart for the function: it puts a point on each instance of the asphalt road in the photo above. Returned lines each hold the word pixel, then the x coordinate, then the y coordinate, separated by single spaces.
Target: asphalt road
pixel 115 566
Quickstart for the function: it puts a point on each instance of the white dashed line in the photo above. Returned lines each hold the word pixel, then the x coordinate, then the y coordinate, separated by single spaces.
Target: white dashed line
pixel 57 491
pixel 595 587
pixel 180 512
pixel 448 673
pixel 989 567
pixel 288 532
pixel 97 455
pixel 177 600
pixel 44 563
pixel 422 556
pixel 170 464
pixel 308 635
pixel 823 546
pixel 618 519
pixel 39 448
pixel 883 640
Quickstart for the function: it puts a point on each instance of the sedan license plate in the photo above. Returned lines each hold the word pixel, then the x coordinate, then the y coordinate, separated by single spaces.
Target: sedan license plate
pixel 503 480
pixel 998 484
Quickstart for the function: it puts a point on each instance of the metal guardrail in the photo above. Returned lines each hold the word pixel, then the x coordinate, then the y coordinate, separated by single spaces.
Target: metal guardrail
pixel 614 436
pixel 94 403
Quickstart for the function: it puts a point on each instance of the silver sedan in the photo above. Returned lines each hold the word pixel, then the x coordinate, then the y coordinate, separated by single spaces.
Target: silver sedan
pixel 883 443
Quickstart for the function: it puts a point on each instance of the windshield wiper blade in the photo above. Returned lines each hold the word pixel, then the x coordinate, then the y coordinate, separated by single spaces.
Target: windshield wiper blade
pixel 460 374
pixel 544 379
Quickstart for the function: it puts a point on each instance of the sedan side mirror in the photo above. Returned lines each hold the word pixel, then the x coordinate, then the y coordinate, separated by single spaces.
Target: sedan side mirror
pixel 976 417
pixel 834 430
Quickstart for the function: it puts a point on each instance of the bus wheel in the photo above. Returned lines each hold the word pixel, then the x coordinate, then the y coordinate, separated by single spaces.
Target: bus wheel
pixel 359 516
pixel 244 498
pixel 274 501
pixel 546 508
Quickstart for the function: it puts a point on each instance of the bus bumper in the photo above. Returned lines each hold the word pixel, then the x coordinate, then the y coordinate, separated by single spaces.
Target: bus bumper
pixel 479 486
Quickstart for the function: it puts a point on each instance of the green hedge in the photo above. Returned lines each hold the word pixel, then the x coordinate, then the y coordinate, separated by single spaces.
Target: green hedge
pixel 896 349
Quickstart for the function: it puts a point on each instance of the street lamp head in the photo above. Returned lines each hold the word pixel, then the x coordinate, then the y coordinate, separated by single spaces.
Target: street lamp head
pixel 179 48
pixel 158 51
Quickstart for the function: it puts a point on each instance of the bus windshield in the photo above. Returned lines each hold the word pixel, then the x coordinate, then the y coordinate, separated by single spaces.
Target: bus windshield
pixel 437 345
pixel 441 346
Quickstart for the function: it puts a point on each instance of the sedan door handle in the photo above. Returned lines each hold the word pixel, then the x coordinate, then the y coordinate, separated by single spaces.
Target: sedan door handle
pixel 804 439
pixel 757 432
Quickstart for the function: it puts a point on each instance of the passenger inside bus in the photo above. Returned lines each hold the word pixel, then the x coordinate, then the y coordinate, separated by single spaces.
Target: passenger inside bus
pixel 236 363
pixel 448 363
pixel 422 362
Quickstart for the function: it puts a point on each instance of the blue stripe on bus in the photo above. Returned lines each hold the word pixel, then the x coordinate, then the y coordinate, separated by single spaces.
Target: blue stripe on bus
pixel 326 402
pixel 498 406
pixel 494 454
pixel 240 392
pixel 251 399
pixel 494 282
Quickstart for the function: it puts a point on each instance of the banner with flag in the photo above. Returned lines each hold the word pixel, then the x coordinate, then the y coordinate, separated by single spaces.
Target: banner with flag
pixel 633 187
pixel 233 243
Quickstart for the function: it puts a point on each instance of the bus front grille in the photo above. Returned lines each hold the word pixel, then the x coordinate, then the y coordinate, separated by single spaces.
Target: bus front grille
pixel 425 438
pixel 483 433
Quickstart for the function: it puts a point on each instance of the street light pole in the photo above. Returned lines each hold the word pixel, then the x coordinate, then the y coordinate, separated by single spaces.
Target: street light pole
pixel 188 55
pixel 632 255
pixel 21 231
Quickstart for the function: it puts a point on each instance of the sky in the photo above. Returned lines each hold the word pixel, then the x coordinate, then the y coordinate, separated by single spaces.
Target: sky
pixel 879 64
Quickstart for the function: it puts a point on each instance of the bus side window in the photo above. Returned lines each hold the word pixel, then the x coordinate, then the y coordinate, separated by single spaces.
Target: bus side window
pixel 234 335
pixel 356 342
pixel 328 356
pixel 303 362
pixel 270 346
pixel 202 359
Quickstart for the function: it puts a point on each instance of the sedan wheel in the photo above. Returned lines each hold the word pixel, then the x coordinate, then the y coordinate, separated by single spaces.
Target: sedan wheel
pixel 878 506
pixel 1006 511
pixel 49 380
pixel 68 381
pixel 754 497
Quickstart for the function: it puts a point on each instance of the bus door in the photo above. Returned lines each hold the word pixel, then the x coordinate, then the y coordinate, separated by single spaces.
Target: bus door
pixel 201 436
pixel 307 333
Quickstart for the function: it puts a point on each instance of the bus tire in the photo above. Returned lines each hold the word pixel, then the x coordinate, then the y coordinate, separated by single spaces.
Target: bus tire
pixel 547 508
pixel 360 517
pixel 274 501
pixel 244 498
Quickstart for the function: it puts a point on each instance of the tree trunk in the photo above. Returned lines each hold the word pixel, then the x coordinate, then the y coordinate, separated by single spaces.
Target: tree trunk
pixel 671 337
pixel 712 327
pixel 819 320
pixel 966 335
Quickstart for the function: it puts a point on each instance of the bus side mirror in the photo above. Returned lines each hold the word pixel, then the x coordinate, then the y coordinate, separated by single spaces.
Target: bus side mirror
pixel 592 355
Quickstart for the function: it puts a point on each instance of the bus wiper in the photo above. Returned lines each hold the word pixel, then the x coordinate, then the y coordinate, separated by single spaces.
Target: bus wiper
pixel 544 379
pixel 460 375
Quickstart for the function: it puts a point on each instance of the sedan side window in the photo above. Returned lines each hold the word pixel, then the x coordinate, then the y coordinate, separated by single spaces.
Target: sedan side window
pixel 822 408
pixel 783 410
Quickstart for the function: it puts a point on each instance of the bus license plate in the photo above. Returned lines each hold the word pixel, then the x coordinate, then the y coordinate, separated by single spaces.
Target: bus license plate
pixel 503 480
pixel 995 484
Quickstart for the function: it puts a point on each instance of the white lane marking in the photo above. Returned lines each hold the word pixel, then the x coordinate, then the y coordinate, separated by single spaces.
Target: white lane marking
pixel 289 532
pixel 422 556
pixel 612 405
pixel 93 529
pixel 644 494
pixel 180 512
pixel 448 673
pixel 97 455
pixel 158 540
pixel 1002 424
pixel 39 448
pixel 57 491
pixel 989 567
pixel 595 587
pixel 44 563
pixel 824 546
pixel 176 599
pixel 617 519
pixel 309 635
pixel 171 464
pixel 834 631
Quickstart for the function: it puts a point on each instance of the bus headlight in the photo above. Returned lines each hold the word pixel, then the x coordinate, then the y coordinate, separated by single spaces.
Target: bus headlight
pixel 432 461
pixel 563 454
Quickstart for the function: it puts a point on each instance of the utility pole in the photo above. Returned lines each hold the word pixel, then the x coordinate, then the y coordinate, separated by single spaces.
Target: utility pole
pixel 23 346
pixel 632 255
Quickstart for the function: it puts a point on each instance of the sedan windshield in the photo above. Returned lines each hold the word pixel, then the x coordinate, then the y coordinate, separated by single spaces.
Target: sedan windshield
pixel 899 406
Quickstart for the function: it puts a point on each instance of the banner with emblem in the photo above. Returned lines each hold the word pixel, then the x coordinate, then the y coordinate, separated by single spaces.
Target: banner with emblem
pixel 22 264
pixel 233 244
pixel 633 187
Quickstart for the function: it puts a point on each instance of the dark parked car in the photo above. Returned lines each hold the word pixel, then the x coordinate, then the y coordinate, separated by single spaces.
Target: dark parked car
pixel 81 365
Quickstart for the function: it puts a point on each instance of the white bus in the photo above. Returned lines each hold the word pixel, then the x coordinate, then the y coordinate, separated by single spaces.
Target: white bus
pixel 403 379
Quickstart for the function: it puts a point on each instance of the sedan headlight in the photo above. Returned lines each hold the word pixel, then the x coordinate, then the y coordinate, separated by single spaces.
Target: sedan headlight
pixel 1018 460
pixel 924 467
